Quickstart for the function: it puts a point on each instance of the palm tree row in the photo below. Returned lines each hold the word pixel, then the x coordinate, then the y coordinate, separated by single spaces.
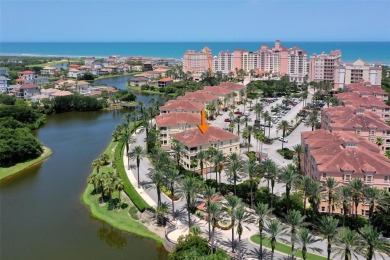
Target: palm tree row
pixel 106 183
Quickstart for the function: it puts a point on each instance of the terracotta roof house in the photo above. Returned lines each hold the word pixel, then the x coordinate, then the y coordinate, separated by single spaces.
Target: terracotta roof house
pixel 26 91
pixel 164 82
pixel 194 141
pixel 343 156
pixel 364 123
pixel 173 123
pixel 365 89
pixel 181 106
pixel 200 97
pixel 237 88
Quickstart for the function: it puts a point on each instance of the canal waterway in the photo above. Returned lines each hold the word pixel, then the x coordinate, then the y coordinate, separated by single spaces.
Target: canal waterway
pixel 41 214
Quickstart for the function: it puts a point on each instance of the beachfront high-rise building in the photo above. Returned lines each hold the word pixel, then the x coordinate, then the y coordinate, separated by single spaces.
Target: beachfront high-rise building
pixel 297 65
pixel 355 72
pixel 196 62
pixel 322 67
pixel 224 62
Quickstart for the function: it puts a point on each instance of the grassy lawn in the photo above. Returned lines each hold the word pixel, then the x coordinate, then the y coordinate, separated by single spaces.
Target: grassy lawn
pixel 285 248
pixel 118 219
pixel 138 90
pixel 116 75
pixel 52 63
pixel 8 171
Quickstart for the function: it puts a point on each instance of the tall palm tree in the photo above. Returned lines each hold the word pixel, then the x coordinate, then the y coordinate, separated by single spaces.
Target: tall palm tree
pixel 137 153
pixel 271 174
pixel 376 197
pixel 371 238
pixel 304 184
pixel 312 120
pixel 263 214
pixel 344 196
pixel 172 177
pixel 330 184
pixel 177 147
pixel 92 179
pixel 245 136
pixel 260 137
pixel 96 165
pixel 289 177
pixel 349 243
pixel 119 186
pixel 158 179
pixel 305 239
pixel 258 108
pixel 189 188
pixel 294 220
pixel 232 202
pixel 218 160
pixel 299 151
pixel 275 229
pixel 241 216
pixel 208 194
pixel 379 141
pixel 356 186
pixel 234 168
pixel 252 169
pixel 284 127
pixel 250 130
pixel 314 194
pixel 202 157
pixel 215 212
pixel 328 227
pixel 238 121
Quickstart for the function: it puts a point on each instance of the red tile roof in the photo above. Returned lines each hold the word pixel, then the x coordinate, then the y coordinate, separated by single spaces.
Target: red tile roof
pixel 218 91
pixel 174 119
pixel 182 105
pixel 330 154
pixel 354 99
pixel 232 86
pixel 198 96
pixel 27 72
pixel 165 80
pixel 194 137
pixel 28 86
pixel 364 88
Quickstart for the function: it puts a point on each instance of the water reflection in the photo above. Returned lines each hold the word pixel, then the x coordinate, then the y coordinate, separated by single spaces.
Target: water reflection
pixel 112 237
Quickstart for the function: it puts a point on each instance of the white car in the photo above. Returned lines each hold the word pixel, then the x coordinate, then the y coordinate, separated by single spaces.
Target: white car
pixel 247 113
pixel 284 140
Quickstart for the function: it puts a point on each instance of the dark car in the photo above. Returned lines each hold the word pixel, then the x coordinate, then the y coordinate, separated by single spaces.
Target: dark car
pixel 238 113
pixel 227 120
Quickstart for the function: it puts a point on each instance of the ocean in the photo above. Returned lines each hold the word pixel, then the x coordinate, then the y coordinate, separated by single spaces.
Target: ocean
pixel 351 51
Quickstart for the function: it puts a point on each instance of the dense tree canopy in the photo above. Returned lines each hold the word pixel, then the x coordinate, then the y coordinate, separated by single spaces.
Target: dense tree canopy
pixel 24 114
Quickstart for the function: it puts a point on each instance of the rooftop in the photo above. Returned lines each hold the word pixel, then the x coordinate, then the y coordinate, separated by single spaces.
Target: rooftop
pixel 28 86
pixel 198 96
pixel 165 80
pixel 194 137
pixel 216 90
pixel 232 86
pixel 172 119
pixel 183 105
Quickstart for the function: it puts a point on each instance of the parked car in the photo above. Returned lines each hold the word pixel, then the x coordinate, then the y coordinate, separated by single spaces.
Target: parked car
pixel 227 119
pixel 284 140
pixel 238 179
pixel 238 113
pixel 247 113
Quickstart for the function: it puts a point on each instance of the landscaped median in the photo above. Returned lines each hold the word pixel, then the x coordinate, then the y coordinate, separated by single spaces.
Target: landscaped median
pixel 8 171
pixel 284 248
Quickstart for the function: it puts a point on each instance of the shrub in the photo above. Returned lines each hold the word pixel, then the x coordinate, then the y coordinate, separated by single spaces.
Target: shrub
pixel 133 213
pixel 286 153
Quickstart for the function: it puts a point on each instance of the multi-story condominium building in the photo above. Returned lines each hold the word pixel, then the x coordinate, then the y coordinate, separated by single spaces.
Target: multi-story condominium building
pixel 356 71
pixel 297 65
pixel 359 121
pixel 344 156
pixel 27 76
pixel 197 62
pixel 365 89
pixel 224 62
pixel 180 106
pixel 200 96
pixel 238 90
pixel 194 141
pixel 369 103
pixel 322 67
pixel 224 94
pixel 173 123
pixel 3 84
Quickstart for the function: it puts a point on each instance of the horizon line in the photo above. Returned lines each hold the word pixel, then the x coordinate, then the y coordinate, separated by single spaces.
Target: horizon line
pixel 211 41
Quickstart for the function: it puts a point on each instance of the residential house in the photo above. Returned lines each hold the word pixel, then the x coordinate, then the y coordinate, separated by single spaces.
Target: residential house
pixel 26 91
pixel 173 123
pixel 344 156
pixel 49 71
pixel 137 81
pixel 75 73
pixel 26 76
pixel 4 84
pixel 194 141
pixel 164 82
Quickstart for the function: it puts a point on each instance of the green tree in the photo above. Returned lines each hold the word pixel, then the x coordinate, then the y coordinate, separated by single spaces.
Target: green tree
pixel 344 196
pixel 158 179
pixel 189 188
pixel 232 203
pixel 202 157
pixel 289 177
pixel 208 195
pixel 299 151
pixel 373 242
pixel 294 220
pixel 328 228
pixel 274 229
pixel 263 214
pixel 271 174
pixel 349 243
pixel 330 184
pixel 172 177
pixel 177 147
pixel 215 211
pixel 137 153
pixel 283 126
pixel 305 239
pixel 234 169
pixel 356 187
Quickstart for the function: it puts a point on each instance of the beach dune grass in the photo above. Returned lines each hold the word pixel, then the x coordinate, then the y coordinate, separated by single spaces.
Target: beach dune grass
pixel 284 248
pixel 8 171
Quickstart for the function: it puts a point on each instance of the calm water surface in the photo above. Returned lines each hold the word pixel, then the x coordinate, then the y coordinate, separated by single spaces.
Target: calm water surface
pixel 41 215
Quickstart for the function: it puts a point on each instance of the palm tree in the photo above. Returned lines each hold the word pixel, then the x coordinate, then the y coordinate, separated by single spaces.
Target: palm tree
pixel 158 179
pixel 177 147
pixel 238 121
pixel 263 214
pixel 161 211
pixel 96 164
pixel 252 170
pixel 312 120
pixel 245 136
pixel 234 169
pixel 172 176
pixel 356 187
pixel 208 195
pixel 313 192
pixel 137 153
pixel 271 174
pixel 330 184
pixel 92 179
pixel 376 198
pixel 284 127
pixel 259 136
pixel 299 151
pixel 258 108
pixel 232 203
pixel 289 177
pixel 240 216
pixel 218 160
pixel 379 141
pixel 104 159
pixel 349 242
pixel 295 220
pixel 189 187
pixel 344 196
pixel 119 186
pixel 371 238
pixel 305 239
pixel 304 184
pixel 215 212
pixel 275 229
pixel 202 156
pixel 328 227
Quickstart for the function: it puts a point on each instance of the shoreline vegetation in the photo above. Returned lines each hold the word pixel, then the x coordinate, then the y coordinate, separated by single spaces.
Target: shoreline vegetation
pixel 12 170
pixel 124 218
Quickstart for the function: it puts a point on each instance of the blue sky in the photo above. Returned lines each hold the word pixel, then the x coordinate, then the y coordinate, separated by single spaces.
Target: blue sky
pixel 194 20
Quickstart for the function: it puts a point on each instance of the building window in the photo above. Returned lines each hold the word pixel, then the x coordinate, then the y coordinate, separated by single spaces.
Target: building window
pixel 347 177
pixel 369 178
pixel 323 209
pixel 386 179
pixel 324 175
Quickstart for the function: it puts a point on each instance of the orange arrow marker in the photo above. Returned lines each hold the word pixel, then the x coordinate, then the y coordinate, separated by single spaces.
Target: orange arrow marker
pixel 203 122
